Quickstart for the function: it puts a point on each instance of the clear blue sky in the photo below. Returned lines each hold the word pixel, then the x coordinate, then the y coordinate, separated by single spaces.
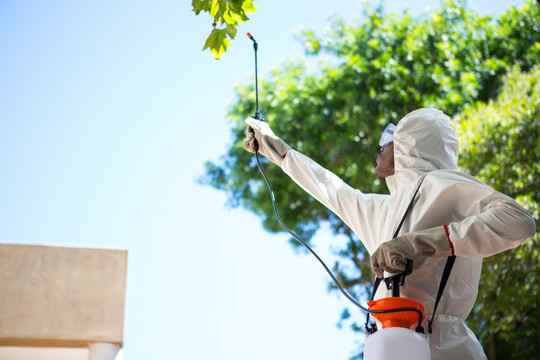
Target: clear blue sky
pixel 108 110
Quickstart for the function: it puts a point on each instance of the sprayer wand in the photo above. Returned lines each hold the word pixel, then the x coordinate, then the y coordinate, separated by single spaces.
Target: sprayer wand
pixel 258 115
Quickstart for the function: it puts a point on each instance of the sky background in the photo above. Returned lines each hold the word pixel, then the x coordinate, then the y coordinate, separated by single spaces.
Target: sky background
pixel 108 111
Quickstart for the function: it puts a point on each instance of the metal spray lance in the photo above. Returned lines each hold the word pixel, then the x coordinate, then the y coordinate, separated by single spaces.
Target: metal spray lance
pixel 258 115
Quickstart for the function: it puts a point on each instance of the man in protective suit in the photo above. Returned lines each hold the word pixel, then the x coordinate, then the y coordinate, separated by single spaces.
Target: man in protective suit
pixel 452 214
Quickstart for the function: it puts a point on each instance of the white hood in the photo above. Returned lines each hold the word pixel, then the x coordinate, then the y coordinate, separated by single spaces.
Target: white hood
pixel 424 140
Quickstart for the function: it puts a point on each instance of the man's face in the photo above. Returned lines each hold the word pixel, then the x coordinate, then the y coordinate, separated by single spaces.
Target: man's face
pixel 385 161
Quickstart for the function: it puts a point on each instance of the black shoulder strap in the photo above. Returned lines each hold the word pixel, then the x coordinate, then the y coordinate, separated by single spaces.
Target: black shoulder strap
pixel 371 328
pixel 446 273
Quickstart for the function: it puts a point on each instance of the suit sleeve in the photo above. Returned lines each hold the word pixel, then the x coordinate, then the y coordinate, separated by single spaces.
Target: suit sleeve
pixel 498 223
pixel 358 210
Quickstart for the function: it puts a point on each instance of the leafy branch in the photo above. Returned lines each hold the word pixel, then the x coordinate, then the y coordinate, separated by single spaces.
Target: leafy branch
pixel 228 14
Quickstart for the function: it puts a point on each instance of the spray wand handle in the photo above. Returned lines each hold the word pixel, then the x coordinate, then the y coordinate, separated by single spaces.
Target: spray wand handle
pixel 394 282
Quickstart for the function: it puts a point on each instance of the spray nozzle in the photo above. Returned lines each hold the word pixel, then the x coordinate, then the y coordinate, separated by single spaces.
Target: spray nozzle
pixel 255 45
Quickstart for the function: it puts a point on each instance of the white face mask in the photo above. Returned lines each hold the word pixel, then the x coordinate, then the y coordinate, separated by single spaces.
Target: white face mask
pixel 388 135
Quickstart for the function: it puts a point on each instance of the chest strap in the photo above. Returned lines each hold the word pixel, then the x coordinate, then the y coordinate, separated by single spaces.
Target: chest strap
pixel 446 273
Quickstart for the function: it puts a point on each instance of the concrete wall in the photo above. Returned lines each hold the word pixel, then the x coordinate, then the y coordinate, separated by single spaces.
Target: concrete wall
pixel 61 297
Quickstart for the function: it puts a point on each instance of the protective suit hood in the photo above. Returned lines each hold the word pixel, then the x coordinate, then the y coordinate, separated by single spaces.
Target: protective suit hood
pixel 424 140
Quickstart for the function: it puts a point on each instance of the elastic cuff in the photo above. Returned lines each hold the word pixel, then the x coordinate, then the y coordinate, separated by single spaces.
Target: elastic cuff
pixel 286 152
pixel 449 242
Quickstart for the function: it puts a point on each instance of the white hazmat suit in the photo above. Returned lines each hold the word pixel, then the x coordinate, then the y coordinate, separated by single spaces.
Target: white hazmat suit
pixel 480 221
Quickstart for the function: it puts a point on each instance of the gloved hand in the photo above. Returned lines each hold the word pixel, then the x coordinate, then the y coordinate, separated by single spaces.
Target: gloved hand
pixel 270 145
pixel 392 255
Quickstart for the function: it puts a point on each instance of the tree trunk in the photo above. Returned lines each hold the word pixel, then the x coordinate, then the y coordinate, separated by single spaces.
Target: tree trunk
pixel 491 347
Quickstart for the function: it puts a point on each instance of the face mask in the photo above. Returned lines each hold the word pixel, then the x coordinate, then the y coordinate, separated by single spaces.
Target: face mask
pixel 388 135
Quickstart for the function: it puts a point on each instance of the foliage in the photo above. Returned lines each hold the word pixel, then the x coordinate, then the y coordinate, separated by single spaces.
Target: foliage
pixel 225 12
pixel 368 74
pixel 501 145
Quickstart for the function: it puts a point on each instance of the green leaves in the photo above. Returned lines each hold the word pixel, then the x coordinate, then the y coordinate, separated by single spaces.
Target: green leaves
pixel 200 5
pixel 227 13
pixel 217 42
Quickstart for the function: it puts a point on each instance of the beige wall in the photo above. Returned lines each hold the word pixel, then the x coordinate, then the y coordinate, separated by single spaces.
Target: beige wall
pixel 64 297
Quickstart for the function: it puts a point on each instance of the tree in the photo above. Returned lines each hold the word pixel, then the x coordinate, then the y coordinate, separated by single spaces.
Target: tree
pixel 227 13
pixel 501 145
pixel 379 70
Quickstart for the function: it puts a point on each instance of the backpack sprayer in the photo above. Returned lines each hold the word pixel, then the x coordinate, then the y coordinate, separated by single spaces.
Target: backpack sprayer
pixel 402 335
